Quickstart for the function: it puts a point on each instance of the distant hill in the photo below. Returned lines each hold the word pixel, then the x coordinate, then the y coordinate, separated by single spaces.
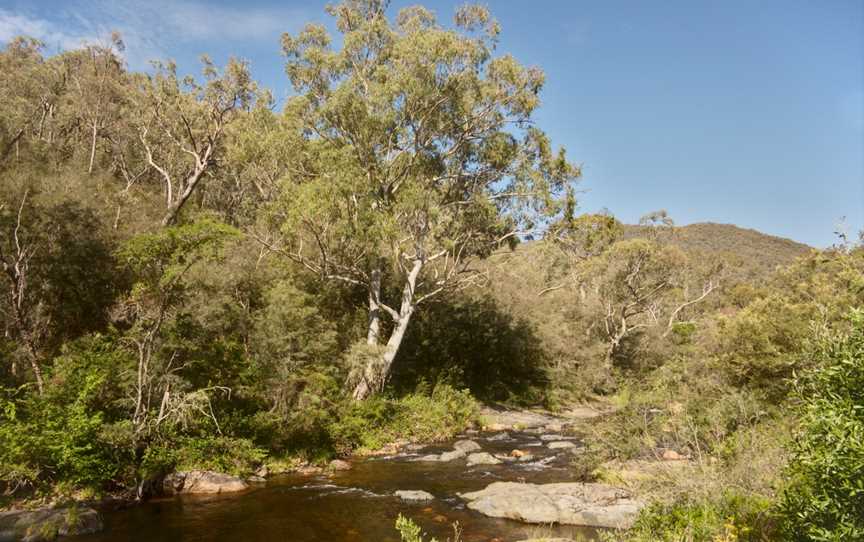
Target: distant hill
pixel 755 252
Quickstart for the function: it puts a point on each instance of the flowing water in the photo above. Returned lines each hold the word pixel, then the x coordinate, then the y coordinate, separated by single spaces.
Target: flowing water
pixel 357 505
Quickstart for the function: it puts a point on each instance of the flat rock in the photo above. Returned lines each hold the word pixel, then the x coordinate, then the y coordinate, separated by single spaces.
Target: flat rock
pixel 560 445
pixel 451 455
pixel 499 436
pixel 48 523
pixel 482 458
pixel 201 481
pixel 428 458
pixel 571 503
pixel 466 446
pixel 414 495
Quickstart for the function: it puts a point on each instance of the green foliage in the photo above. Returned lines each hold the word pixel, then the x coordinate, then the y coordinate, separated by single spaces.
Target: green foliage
pixel 427 418
pixel 824 499
pixel 58 437
pixel 729 517
pixel 474 342
pixel 411 532
pixel 231 455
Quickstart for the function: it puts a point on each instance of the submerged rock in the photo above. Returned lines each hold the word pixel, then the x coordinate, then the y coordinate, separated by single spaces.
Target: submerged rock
pixel 572 503
pixel 201 481
pixel 428 458
pixel 522 455
pixel 414 495
pixel 466 446
pixel 48 523
pixel 482 458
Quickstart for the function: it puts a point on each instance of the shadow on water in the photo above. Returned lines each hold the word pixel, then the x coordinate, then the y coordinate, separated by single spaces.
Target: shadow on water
pixel 350 506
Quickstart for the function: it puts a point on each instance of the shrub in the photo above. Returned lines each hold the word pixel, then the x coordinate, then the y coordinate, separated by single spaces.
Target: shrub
pixel 825 496
pixel 727 518
pixel 372 423
pixel 217 453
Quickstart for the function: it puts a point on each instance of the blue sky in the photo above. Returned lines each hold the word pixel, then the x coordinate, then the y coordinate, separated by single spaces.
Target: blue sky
pixel 729 111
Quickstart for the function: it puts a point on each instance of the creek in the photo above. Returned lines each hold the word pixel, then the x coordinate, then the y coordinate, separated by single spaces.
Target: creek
pixel 357 505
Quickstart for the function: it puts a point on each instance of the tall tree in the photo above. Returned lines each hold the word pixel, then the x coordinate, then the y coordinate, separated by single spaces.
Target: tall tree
pixel 420 157
pixel 181 124
pixel 30 89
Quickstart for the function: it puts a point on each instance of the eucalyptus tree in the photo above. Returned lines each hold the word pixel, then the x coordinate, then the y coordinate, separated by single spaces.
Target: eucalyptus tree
pixel 420 157
pixel 97 89
pixel 181 124
pixel 647 282
pixel 29 89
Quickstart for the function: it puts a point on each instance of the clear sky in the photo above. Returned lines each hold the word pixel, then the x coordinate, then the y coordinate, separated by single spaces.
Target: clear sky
pixel 733 111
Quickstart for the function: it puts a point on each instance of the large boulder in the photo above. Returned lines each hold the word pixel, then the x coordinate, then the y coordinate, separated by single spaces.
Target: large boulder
pixel 466 446
pixel 571 503
pixel 201 481
pixel 48 523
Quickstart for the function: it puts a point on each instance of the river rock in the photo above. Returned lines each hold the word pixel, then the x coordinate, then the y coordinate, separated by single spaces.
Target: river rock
pixel 571 503
pixel 255 479
pixel 414 495
pixel 482 458
pixel 466 446
pixel 672 455
pixel 263 471
pixel 499 436
pixel 339 464
pixel 201 481
pixel 451 455
pixel 560 445
pixel 48 523
pixel 548 540
pixel 428 458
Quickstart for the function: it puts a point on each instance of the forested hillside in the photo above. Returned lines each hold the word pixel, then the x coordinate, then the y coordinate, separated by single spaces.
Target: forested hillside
pixel 755 254
pixel 192 278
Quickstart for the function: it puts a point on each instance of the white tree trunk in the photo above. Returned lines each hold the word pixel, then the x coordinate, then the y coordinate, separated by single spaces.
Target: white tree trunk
pixel 374 330
pixel 94 133
pixel 377 371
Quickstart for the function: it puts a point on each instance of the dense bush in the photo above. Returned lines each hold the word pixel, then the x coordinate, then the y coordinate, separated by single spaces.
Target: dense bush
pixel 419 416
pixel 729 517
pixel 824 499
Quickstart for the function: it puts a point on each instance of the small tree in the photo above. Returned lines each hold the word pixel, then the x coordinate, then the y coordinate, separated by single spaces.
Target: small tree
pixel 420 157
pixel 160 263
